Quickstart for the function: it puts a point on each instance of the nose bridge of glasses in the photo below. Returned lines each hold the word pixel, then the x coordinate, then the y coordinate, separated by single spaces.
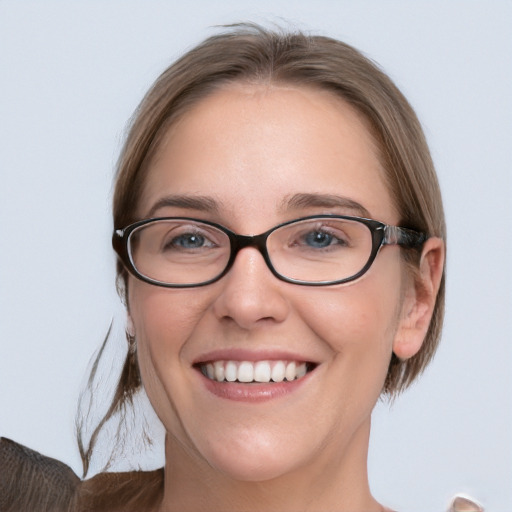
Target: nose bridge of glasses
pixel 239 242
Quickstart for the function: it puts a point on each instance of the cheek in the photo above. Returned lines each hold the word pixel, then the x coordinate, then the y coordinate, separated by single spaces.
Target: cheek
pixel 165 316
pixel 163 321
pixel 352 315
pixel 358 321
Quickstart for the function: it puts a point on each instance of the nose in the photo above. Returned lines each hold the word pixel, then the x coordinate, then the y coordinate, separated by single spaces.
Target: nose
pixel 251 295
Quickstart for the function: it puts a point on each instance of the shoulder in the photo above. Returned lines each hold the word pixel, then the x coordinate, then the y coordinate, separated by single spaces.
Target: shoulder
pixel 459 503
pixel 465 503
pixel 30 481
pixel 137 491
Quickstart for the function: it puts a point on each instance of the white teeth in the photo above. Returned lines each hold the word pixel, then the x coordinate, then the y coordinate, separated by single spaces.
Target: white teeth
pixel 278 371
pixel 246 372
pixel 230 371
pixel 289 373
pixel 260 371
pixel 219 370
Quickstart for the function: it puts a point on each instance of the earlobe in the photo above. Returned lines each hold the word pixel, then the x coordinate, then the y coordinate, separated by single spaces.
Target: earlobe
pixel 419 301
pixel 130 328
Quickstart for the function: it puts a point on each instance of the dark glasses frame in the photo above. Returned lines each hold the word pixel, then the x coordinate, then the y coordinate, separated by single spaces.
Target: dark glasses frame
pixel 382 234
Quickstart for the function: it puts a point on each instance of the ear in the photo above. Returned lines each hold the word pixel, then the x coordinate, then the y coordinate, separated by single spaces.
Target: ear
pixel 419 300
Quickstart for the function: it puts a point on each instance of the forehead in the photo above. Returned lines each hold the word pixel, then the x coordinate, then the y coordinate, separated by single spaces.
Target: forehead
pixel 247 145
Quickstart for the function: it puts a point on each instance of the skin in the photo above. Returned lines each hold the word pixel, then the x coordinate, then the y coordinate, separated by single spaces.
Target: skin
pixel 250 148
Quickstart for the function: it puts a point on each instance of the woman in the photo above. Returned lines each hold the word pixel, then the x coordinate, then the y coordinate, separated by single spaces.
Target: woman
pixel 281 247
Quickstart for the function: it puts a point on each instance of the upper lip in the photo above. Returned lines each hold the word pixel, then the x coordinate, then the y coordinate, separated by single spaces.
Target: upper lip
pixel 240 354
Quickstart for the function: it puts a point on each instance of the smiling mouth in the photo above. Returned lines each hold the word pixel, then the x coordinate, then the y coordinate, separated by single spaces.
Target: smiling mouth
pixel 258 371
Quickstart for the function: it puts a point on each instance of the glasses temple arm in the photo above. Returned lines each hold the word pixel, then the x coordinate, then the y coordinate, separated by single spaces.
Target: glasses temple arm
pixel 395 235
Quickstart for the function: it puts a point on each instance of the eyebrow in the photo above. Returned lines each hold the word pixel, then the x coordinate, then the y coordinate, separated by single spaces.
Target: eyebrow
pixel 302 200
pixel 294 202
pixel 201 203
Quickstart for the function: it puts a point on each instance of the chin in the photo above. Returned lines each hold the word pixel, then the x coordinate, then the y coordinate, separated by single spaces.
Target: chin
pixel 256 470
pixel 254 461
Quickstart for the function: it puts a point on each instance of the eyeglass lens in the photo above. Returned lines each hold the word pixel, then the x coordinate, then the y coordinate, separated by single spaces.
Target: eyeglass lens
pixel 185 252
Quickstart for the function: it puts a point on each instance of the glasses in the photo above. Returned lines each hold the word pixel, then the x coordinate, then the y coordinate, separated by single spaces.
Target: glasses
pixel 181 252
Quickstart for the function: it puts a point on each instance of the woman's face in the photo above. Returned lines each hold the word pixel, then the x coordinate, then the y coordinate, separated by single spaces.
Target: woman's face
pixel 252 157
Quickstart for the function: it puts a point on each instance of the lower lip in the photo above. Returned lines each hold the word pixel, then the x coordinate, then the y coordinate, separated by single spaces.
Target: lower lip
pixel 253 392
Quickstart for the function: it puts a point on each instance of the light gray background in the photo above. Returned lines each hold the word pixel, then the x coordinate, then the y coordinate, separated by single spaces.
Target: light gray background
pixel 71 75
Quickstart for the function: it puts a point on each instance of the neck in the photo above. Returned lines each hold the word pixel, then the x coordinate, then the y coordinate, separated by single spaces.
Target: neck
pixel 336 480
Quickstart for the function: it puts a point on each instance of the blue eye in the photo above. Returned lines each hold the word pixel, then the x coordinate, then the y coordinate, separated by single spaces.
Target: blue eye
pixel 319 239
pixel 188 241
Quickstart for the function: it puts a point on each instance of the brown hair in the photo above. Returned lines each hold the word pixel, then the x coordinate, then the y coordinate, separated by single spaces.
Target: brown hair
pixel 249 53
